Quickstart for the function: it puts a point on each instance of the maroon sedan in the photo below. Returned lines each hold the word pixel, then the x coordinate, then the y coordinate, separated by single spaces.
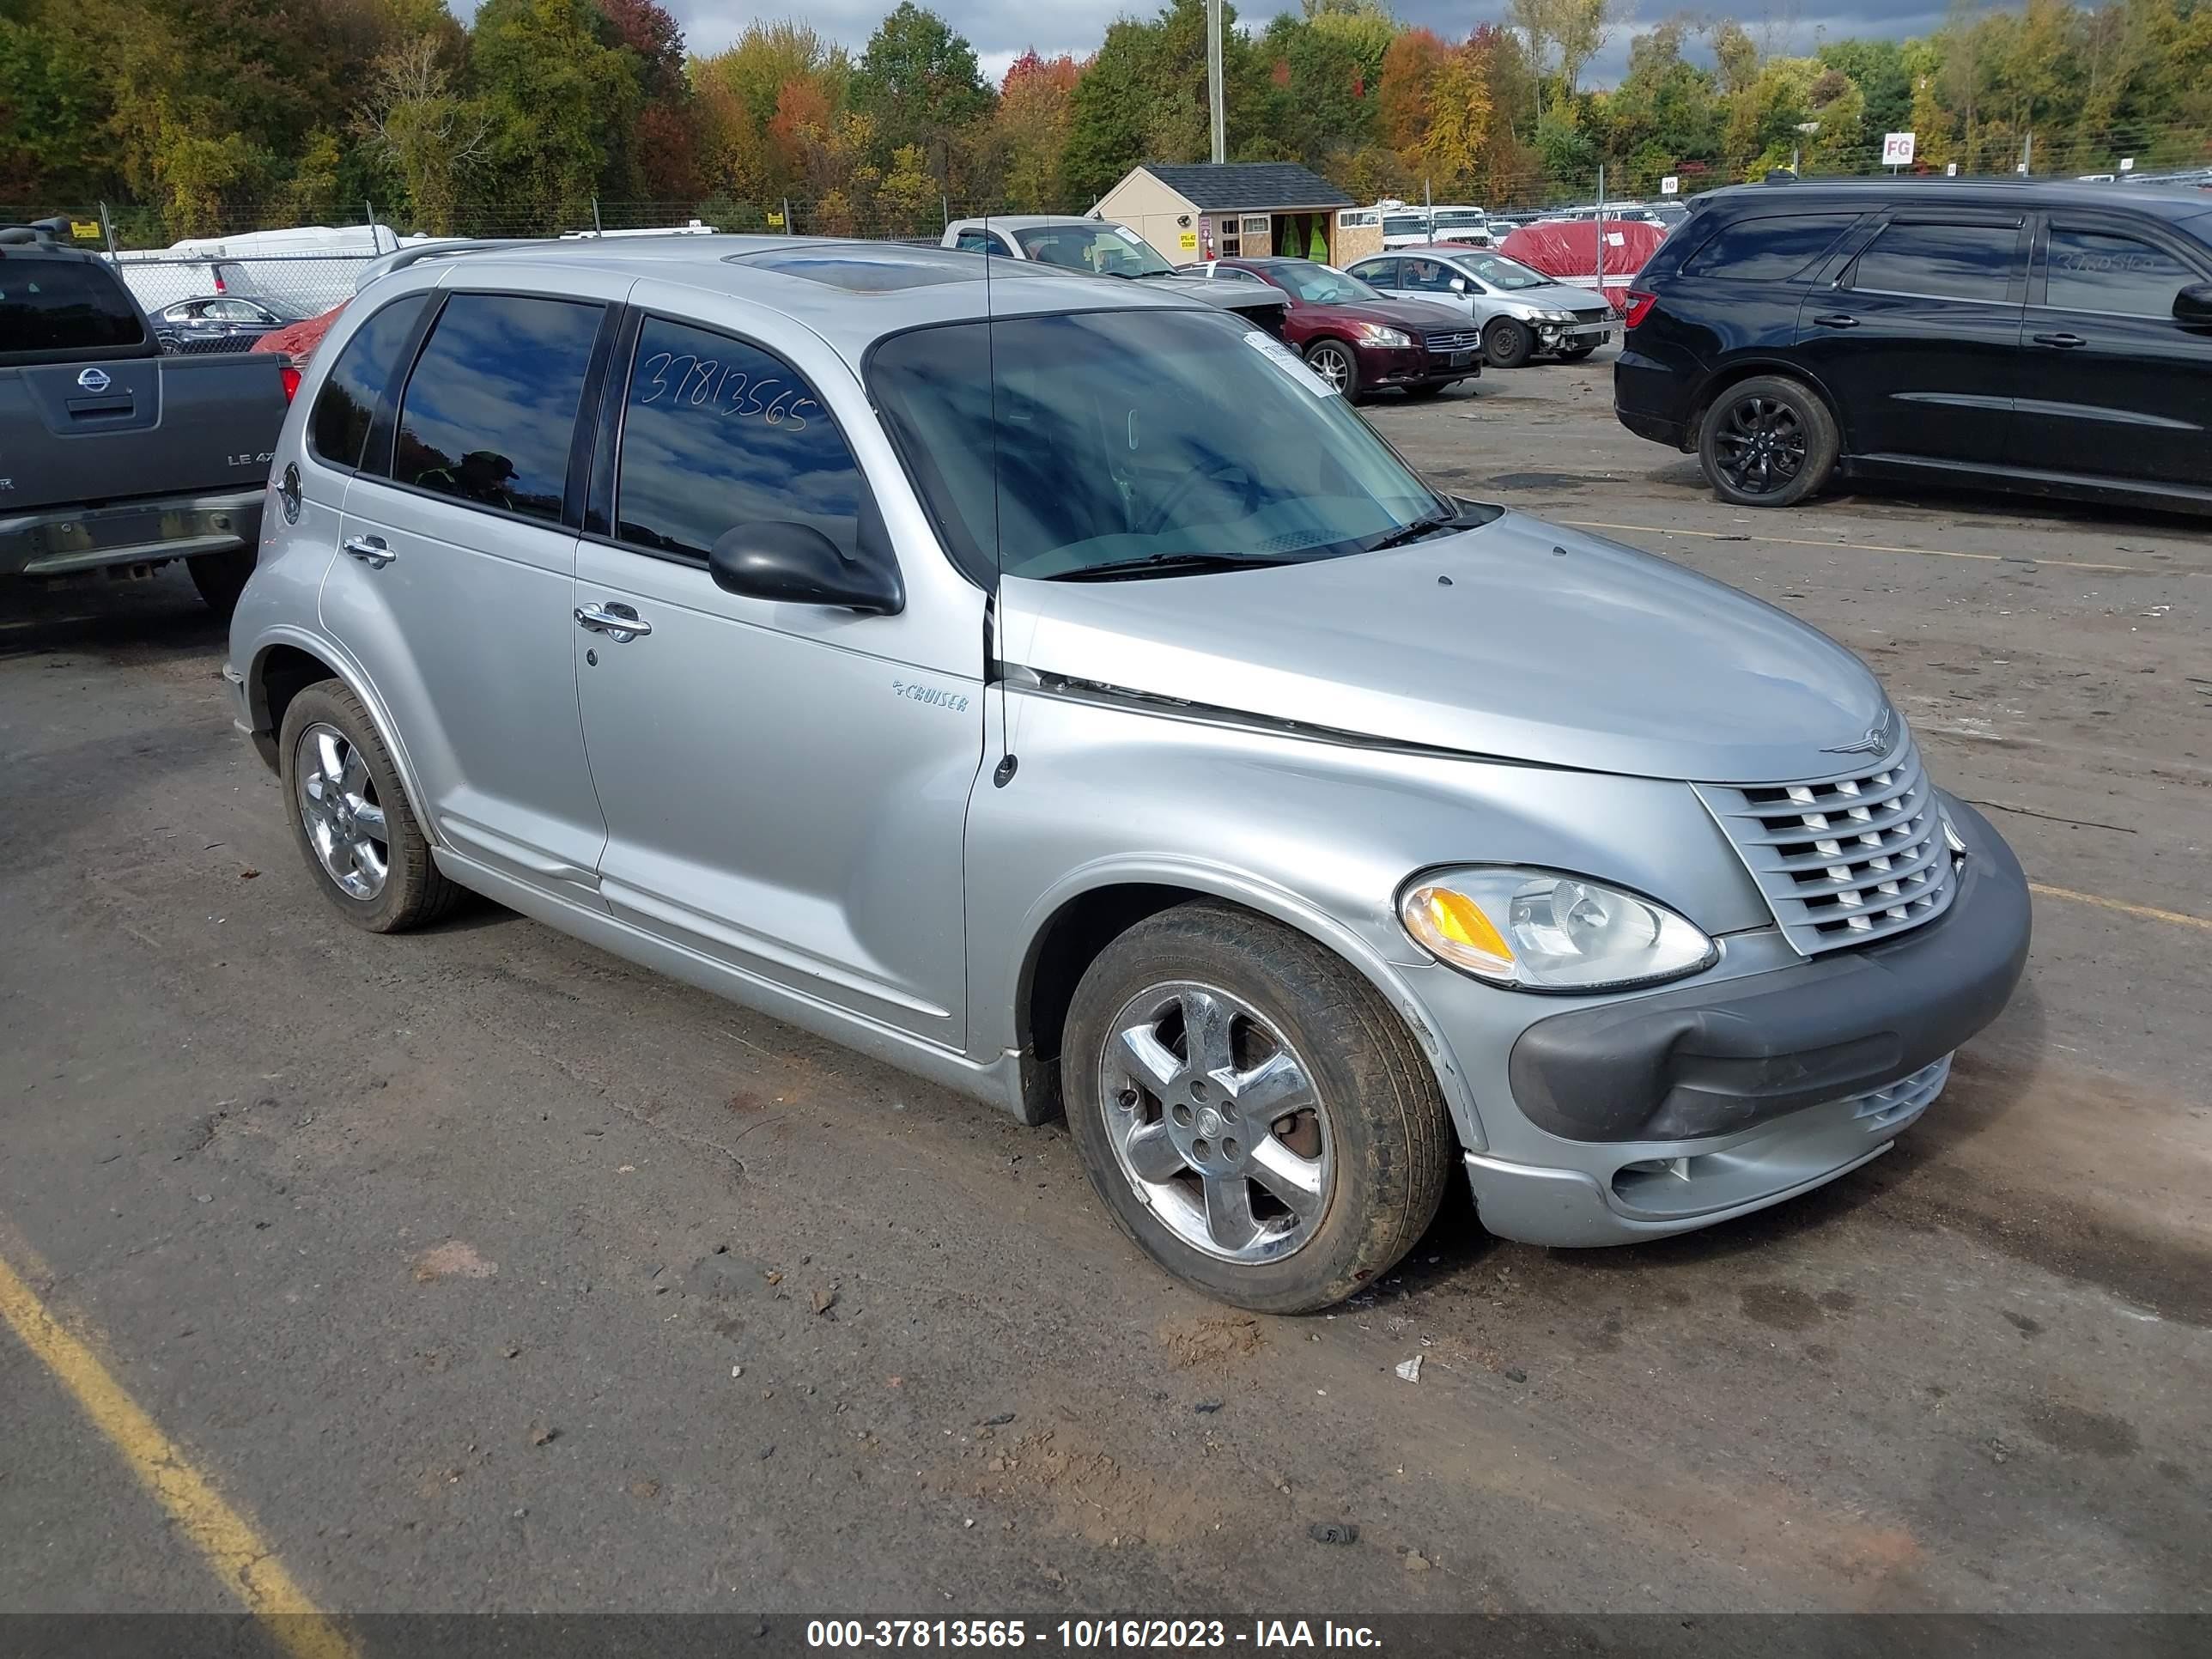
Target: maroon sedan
pixel 1355 338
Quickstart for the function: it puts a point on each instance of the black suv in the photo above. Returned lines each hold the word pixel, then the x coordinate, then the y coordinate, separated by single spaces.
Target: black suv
pixel 2044 337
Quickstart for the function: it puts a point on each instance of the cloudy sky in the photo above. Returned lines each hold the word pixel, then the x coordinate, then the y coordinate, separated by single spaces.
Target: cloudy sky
pixel 1001 29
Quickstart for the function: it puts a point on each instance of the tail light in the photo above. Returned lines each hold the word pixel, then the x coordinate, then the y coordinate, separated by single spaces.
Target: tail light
pixel 290 376
pixel 1638 306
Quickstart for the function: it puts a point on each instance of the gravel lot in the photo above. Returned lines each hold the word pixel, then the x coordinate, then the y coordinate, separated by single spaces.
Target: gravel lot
pixel 483 1271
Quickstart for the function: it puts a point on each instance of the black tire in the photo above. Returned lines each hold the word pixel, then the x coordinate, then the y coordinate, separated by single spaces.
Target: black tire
pixel 1800 438
pixel 1575 354
pixel 1507 343
pixel 221 578
pixel 413 891
pixel 1390 1135
pixel 1337 363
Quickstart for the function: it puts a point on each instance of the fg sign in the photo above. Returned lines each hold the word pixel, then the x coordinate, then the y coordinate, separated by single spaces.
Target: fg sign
pixel 1897 149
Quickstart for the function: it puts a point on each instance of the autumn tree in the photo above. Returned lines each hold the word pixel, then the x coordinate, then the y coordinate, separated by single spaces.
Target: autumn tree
pixel 561 91
pixel 919 82
pixel 1036 105
pixel 1451 152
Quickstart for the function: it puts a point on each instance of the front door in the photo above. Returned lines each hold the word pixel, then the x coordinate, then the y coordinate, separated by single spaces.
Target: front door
pixel 786 785
pixel 1919 338
pixel 2111 385
pixel 457 590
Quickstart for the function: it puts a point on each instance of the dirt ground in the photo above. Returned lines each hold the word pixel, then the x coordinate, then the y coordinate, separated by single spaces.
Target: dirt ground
pixel 481 1271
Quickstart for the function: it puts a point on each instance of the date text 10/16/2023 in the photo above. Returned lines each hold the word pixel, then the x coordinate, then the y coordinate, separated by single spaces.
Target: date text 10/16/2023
pixel 1092 1635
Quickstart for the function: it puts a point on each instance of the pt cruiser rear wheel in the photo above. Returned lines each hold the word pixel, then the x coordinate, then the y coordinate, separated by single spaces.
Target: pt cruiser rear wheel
pixel 1253 1112
pixel 352 819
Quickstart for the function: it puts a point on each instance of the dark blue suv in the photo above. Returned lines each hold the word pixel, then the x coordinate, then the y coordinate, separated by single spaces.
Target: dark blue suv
pixel 2051 338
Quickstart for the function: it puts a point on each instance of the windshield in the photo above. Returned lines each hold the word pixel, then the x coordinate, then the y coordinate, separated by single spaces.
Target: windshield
pixel 1125 436
pixel 1317 284
pixel 1499 272
pixel 1099 250
pixel 1405 224
pixel 1448 218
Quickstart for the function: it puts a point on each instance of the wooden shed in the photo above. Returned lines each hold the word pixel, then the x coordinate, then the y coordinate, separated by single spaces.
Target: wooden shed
pixel 1251 208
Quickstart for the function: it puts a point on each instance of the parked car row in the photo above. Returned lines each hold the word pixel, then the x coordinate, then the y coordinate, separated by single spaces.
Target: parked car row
pixel 2038 337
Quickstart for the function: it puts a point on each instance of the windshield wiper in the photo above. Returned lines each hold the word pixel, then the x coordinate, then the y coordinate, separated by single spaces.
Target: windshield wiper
pixel 1413 532
pixel 1166 564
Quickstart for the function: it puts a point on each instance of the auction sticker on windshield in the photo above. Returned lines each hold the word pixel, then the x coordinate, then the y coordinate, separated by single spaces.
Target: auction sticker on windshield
pixel 1289 362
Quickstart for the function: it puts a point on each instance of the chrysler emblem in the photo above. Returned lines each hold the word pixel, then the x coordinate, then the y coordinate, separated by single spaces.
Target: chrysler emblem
pixel 93 379
pixel 1876 739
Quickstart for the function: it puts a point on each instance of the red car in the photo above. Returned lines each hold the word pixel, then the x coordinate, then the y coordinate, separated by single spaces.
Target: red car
pixel 1355 338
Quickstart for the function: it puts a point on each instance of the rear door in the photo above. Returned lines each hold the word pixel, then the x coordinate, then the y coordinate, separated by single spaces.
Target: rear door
pixel 2111 385
pixel 1918 340
pixel 457 595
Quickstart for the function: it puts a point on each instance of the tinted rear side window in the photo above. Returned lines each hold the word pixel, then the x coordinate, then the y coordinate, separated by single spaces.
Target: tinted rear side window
pixel 1769 249
pixel 1949 262
pixel 347 404
pixel 718 433
pixel 2105 271
pixel 64 305
pixel 490 409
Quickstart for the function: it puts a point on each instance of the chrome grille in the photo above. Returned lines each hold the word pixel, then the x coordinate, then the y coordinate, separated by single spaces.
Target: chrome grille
pixel 1461 339
pixel 1603 314
pixel 1846 861
pixel 1903 1100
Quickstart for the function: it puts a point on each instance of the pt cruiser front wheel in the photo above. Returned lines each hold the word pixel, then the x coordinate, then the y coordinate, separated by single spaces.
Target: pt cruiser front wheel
pixel 1253 1114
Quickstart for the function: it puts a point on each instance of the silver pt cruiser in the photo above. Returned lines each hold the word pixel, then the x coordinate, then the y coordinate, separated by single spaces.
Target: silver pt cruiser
pixel 1051 689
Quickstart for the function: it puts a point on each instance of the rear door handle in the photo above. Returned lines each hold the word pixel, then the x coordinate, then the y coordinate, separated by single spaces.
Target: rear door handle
pixel 1837 319
pixel 369 549
pixel 2063 341
pixel 618 621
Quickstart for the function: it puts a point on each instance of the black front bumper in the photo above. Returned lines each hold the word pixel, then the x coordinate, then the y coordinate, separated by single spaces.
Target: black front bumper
pixel 1714 1059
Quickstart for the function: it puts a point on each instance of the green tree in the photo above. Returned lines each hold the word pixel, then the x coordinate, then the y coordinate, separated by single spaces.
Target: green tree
pixel 561 91
pixel 430 138
pixel 919 82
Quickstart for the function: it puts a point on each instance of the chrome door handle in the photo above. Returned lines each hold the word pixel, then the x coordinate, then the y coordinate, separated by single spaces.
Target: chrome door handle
pixel 369 549
pixel 2063 341
pixel 1837 319
pixel 618 621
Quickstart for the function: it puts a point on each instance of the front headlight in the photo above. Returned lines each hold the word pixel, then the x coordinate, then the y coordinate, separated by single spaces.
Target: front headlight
pixel 1536 930
pixel 1558 316
pixel 1375 334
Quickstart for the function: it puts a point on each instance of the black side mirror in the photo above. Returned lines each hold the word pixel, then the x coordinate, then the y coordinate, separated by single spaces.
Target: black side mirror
pixel 2193 306
pixel 797 564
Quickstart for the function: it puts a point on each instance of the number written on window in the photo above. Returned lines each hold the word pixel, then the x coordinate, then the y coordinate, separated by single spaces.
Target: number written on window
pixel 2100 271
pixel 717 434
pixel 732 385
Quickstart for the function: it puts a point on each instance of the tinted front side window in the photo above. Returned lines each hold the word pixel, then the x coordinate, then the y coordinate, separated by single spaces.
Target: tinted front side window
pixel 491 407
pixel 347 404
pixel 718 433
pixel 2097 271
pixel 1951 261
pixel 1769 250
pixel 63 305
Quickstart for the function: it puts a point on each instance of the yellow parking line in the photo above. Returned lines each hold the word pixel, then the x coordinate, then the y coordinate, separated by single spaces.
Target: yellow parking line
pixel 2149 913
pixel 230 1546
pixel 1878 547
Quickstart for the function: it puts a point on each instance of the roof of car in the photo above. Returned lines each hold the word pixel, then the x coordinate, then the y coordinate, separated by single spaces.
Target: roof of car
pixel 852 294
pixel 2165 204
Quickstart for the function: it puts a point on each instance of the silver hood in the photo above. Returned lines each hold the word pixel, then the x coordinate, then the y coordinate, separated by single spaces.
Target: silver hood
pixel 1555 296
pixel 1547 646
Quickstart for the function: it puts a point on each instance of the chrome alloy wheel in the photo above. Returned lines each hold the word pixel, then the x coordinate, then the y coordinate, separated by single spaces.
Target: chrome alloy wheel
pixel 1333 366
pixel 1217 1121
pixel 339 809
